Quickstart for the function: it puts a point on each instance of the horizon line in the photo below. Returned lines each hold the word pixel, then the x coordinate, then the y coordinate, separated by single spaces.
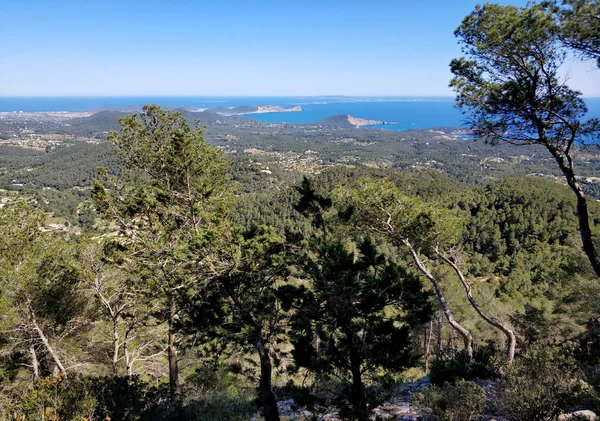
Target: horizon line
pixel 240 96
pixel 218 96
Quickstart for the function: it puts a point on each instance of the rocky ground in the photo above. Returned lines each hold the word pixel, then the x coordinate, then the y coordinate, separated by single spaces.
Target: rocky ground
pixel 401 408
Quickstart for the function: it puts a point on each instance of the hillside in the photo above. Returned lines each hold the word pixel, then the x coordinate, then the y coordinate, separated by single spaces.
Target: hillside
pixel 212 117
pixel 96 125
pixel 345 121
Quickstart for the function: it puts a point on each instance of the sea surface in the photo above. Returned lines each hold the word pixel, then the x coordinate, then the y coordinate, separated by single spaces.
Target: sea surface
pixel 402 112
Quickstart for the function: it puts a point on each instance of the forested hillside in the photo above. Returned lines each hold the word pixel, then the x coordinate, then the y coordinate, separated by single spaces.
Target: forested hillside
pixel 192 278
pixel 157 268
pixel 274 158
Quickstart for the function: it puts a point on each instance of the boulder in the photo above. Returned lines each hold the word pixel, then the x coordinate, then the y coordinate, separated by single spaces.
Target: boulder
pixel 577 415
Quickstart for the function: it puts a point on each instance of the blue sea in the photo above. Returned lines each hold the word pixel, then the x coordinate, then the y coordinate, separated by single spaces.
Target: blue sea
pixel 403 112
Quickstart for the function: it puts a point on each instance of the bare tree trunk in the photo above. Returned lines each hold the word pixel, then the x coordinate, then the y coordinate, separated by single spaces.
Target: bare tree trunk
pixel 428 335
pixel 128 361
pixel 115 347
pixel 34 364
pixel 270 410
pixel 44 340
pixel 172 352
pixel 462 331
pixel 511 340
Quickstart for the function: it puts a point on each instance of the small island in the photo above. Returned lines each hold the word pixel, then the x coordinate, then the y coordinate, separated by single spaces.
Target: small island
pixel 275 109
pixel 357 121
pixel 347 121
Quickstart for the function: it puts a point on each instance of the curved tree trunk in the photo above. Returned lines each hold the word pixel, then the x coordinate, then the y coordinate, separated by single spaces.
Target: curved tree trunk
pixel 511 340
pixel 270 410
pixel 462 331
pixel 584 228
pixel 564 161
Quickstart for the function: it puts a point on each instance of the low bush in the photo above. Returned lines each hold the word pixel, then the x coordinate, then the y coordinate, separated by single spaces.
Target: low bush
pixel 540 385
pixel 77 398
pixel 485 364
pixel 461 401
pixel 91 398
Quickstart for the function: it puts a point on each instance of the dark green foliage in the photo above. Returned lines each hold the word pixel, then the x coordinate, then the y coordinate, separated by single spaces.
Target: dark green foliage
pixel 244 309
pixel 273 208
pixel 355 321
pixel 12 157
pixel 53 399
pixel 534 326
pixel 171 205
pixel 509 80
pixel 589 342
pixel 210 378
pixel 54 291
pixel 312 204
pixel 75 398
pixel 429 185
pixel 462 401
pixel 579 27
pixel 524 212
pixel 524 229
pixel 65 167
pixel 587 355
pixel 118 398
pixel 58 181
pixel 485 364
pixel 540 385
pixel 176 186
pixel 511 87
pixel 97 125
pixel 86 216
pixel 248 305
pixel 349 305
pixel 174 173
pixel 525 232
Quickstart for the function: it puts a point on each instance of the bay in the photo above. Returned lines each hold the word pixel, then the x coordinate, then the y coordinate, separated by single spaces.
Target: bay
pixel 400 112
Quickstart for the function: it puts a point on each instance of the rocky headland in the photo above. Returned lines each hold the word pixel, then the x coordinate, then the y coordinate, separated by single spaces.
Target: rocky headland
pixel 344 121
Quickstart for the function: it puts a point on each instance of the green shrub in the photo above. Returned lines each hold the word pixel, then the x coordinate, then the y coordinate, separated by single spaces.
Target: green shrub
pixel 77 398
pixel 206 380
pixel 54 398
pixel 485 364
pixel 449 370
pixel 539 386
pixel 218 408
pixel 459 402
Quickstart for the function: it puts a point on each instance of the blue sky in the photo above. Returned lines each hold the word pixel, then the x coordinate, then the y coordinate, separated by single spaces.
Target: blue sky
pixel 199 47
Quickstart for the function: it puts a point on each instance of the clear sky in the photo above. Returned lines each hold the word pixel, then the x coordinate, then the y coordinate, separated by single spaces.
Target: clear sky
pixel 235 48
